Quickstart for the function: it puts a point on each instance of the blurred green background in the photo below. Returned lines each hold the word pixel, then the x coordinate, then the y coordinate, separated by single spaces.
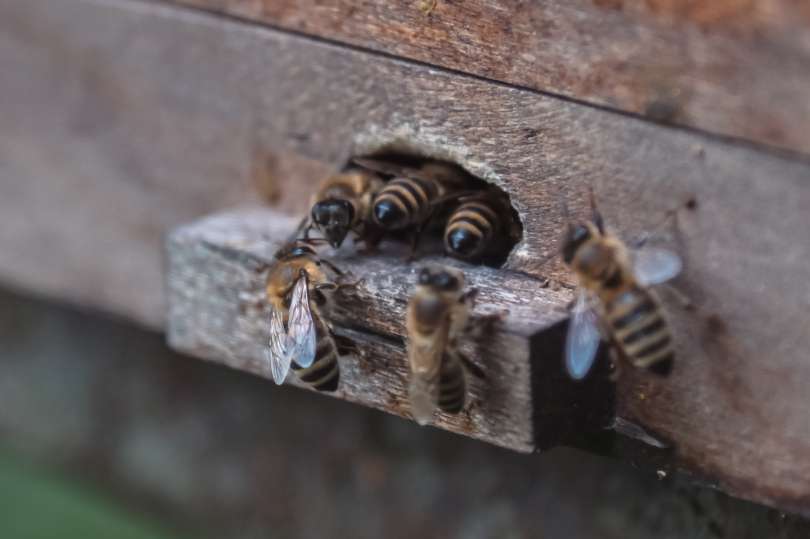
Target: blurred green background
pixel 36 503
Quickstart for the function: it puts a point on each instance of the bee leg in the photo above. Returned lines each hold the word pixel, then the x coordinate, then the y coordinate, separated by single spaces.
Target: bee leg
pixel 326 287
pixel 682 298
pixel 474 369
pixel 468 297
pixel 351 286
pixel 670 214
pixel 596 216
pixel 345 346
pixel 615 364
pixel 415 237
pixel 331 266
pixel 303 228
pixel 481 325
pixel 414 244
pixel 371 236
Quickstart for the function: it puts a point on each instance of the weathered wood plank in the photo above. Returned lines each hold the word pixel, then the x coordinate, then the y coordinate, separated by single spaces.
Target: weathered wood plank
pixel 217 310
pixel 97 164
pixel 108 96
pixel 734 67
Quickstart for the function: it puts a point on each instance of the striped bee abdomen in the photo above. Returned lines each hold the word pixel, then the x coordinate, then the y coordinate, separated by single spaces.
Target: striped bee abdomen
pixel 324 373
pixel 470 229
pixel 404 202
pixel 640 330
pixel 452 386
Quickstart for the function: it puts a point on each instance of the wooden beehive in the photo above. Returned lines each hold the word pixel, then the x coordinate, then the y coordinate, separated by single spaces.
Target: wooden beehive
pixel 125 119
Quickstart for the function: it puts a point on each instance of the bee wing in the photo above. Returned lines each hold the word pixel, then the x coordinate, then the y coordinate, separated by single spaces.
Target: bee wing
pixel 385 167
pixel 423 393
pixel 300 326
pixel 653 265
pixel 425 354
pixel 424 357
pixel 278 353
pixel 631 430
pixel 582 340
pixel 439 171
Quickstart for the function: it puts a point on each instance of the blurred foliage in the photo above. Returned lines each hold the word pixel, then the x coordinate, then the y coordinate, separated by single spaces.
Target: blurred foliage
pixel 37 505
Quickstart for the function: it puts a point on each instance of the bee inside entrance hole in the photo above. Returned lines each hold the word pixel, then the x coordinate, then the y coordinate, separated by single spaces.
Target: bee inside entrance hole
pixel 436 206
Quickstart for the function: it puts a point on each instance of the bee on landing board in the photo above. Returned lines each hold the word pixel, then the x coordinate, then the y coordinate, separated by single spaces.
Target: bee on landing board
pixel 298 290
pixel 413 194
pixel 614 299
pixel 438 314
pixel 342 204
pixel 480 226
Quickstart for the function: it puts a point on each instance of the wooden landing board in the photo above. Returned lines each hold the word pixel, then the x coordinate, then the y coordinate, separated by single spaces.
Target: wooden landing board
pixel 217 310
pixel 733 67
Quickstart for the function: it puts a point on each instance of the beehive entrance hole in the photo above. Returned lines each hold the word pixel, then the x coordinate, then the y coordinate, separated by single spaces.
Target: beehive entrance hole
pixel 510 227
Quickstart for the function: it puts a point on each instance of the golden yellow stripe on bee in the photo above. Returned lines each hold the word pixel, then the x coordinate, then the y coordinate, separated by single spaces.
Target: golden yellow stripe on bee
pixel 420 189
pixel 483 208
pixel 324 366
pixel 385 195
pixel 466 226
pixel 403 192
pixel 634 348
pixel 653 351
pixel 646 361
pixel 625 308
pixel 328 376
pixel 472 215
pixel 645 322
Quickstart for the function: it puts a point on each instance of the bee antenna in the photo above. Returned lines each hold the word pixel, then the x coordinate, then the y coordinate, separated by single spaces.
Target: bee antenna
pixel 312 241
pixel 595 215
pixel 564 211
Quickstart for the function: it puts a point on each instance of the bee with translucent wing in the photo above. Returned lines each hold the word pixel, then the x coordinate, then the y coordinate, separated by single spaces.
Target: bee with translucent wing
pixel 301 339
pixel 614 299
pixel 437 318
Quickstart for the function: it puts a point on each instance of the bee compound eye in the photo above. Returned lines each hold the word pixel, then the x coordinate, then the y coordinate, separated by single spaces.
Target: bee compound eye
pixel 424 276
pixel 344 212
pixel 576 236
pixel 445 281
pixel 319 213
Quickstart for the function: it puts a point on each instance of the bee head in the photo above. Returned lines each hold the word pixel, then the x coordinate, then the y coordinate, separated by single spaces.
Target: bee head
pixel 333 217
pixel 439 279
pixel 461 242
pixel 296 249
pixel 584 250
pixel 575 237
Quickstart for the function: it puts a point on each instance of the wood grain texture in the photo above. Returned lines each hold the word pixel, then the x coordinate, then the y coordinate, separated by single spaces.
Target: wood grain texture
pixel 217 310
pixel 97 163
pixel 202 96
pixel 734 67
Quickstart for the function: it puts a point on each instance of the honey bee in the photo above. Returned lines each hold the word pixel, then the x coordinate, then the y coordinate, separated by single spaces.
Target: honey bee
pixel 438 314
pixel 476 225
pixel 343 204
pixel 625 310
pixel 410 198
pixel 298 288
